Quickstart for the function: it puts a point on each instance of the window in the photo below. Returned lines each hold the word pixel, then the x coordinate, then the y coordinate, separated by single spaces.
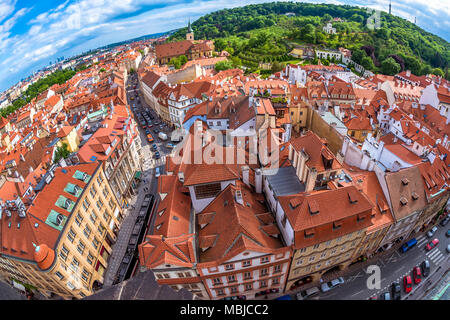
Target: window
pixel 111 204
pixel 277 268
pixel 247 275
pixel 248 287
pixel 323 255
pixel 220 292
pixel 229 267
pixel 93 217
pixel 246 263
pixel 180 275
pixel 71 235
pixel 81 247
pixel 86 204
pixel 312 258
pixel 216 281
pixel 232 278
pixel 85 275
pixel 90 258
pixel 263 284
pixel 64 252
pixel 264 272
pixel 299 262
pixel 233 290
pixel 99 204
pixel 302 250
pixel 87 231
pixel 99 179
pixel 101 229
pixel 95 243
pixel 106 216
pixel 275 281
pixel 264 259
pixel 105 192
pixel 93 192
pixel 317 246
pixel 59 275
pixel 78 220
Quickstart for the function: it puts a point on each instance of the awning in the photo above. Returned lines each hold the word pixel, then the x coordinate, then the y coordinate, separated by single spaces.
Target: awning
pixel 138 175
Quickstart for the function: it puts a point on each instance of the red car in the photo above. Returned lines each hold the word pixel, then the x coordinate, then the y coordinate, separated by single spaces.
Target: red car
pixel 432 244
pixel 407 283
pixel 417 275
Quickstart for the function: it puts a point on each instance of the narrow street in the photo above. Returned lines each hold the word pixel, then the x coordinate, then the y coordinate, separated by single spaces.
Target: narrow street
pixel 396 265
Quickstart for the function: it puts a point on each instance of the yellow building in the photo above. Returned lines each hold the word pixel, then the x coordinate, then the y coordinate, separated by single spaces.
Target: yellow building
pixel 69 136
pixel 358 128
pixel 61 244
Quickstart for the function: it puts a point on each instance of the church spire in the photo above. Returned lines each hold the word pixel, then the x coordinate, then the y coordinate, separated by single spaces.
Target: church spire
pixel 189 25
pixel 390 6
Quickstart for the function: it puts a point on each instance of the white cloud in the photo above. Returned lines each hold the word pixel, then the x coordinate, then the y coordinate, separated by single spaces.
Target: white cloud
pixel 73 27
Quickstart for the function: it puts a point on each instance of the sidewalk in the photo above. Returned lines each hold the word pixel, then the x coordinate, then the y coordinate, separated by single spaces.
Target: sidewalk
pixel 120 247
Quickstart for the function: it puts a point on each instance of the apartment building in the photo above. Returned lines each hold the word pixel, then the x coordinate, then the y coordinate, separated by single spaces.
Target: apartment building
pixel 61 244
pixel 241 255
pixel 324 228
pixel 117 144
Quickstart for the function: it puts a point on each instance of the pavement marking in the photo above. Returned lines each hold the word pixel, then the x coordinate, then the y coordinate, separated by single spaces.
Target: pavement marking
pixel 422 241
pixel 439 260
pixel 432 253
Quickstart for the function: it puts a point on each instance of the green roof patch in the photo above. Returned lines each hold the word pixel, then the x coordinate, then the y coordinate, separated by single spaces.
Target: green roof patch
pixel 82 176
pixel 56 220
pixel 65 203
pixel 73 189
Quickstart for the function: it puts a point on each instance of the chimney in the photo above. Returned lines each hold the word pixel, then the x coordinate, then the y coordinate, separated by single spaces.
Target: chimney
pixel 258 181
pixel 245 175
pixel 408 73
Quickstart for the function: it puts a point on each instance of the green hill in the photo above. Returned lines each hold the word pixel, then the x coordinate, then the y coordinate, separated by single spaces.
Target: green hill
pixel 263 33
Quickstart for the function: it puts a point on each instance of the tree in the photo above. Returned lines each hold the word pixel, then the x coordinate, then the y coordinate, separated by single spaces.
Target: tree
pixel 132 71
pixel 438 72
pixel 220 44
pixel 426 69
pixel 236 62
pixel 358 55
pixel 308 34
pixel 390 67
pixel 413 64
pixel 103 70
pixel 62 152
pixel 276 67
pixel 223 65
pixel 367 63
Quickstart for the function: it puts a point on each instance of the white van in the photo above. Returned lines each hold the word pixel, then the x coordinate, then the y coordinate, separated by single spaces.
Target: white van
pixel 305 294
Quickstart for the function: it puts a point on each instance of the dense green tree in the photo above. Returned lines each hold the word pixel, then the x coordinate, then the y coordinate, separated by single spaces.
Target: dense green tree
pixel 426 69
pixel 390 67
pixel 358 55
pixel 276 67
pixel 62 152
pixel 223 65
pixel 367 63
pixel 438 72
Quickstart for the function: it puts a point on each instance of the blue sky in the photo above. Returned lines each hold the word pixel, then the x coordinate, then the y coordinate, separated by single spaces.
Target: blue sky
pixel 33 33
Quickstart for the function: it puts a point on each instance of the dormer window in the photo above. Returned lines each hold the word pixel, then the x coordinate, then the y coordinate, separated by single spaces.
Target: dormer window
pixel 403 201
pixel 337 225
pixel 415 196
pixel 309 233
pixel 405 181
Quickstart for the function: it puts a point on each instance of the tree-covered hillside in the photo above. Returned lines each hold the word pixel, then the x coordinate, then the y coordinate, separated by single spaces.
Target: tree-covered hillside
pixel 267 33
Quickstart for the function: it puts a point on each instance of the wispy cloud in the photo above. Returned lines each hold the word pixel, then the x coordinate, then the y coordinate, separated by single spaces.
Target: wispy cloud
pixel 76 26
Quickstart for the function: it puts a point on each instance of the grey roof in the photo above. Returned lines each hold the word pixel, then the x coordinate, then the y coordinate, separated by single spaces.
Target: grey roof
pixel 285 182
pixel 141 287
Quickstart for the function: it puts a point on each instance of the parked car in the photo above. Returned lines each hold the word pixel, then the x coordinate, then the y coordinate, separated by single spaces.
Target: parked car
pixel 407 283
pixel 431 232
pixel 447 234
pixel 396 291
pixel 331 284
pixel 157 172
pixel 417 275
pixel 445 221
pixel 373 298
pixel 306 294
pixel 170 145
pixel 432 244
pixel 425 266
pixel 448 248
pixel 385 296
pixel 408 245
pixel 156 131
pixel 147 131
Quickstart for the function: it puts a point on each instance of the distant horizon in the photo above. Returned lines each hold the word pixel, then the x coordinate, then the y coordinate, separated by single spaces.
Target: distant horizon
pixel 34 34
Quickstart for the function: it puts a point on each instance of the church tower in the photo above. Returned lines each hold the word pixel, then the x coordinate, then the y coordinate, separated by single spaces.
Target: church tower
pixel 190 33
pixel 390 7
